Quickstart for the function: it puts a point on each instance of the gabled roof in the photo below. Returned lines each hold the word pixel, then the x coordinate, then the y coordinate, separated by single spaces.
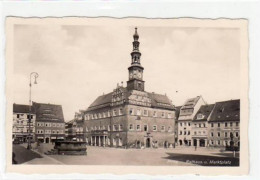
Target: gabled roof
pixel 21 108
pixel 205 111
pixel 160 101
pixel 226 111
pixel 48 112
pixel 190 103
pixel 101 101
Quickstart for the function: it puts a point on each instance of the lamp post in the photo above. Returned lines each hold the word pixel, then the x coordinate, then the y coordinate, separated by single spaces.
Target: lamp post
pixel 35 75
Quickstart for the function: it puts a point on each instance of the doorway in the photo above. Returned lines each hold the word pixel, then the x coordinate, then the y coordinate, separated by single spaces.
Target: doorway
pixel 47 140
pixel 148 142
pixel 202 143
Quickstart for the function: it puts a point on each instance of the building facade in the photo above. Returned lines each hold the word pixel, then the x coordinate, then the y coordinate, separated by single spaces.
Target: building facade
pixel 187 113
pixel 129 116
pixel 224 124
pixel 199 126
pixel 21 116
pixel 49 125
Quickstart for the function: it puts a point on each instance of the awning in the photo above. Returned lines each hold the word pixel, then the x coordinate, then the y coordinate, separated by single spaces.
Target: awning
pixel 60 138
pixel 39 137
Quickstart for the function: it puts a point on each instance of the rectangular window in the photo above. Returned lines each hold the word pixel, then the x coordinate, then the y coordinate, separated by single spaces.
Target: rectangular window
pixel 120 127
pixel 131 111
pixel 114 127
pixel 236 134
pixel 180 132
pixel 188 132
pixel 154 128
pixel 145 128
pixel 120 111
pixel 17 115
pixel 237 123
pixel 231 124
pixel 218 142
pixel 212 125
pixel 169 115
pixel 163 128
pixel 131 127
pixel 225 134
pixel 199 125
pixel 225 124
pixel 145 113
pixel 53 124
pixel 212 134
pixel 114 112
pixel 138 112
pixel 218 134
pixel 163 114
pixel 218 124
pixel 188 124
pixel 154 114
pixel 184 133
pixel 138 127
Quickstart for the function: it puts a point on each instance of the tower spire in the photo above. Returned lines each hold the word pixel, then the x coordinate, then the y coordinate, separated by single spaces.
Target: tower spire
pixel 135 70
pixel 136 53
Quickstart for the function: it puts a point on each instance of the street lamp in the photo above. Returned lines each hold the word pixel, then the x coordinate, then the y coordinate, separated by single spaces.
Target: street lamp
pixel 35 75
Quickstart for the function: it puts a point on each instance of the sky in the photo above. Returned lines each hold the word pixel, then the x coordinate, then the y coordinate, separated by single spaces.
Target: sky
pixel 77 63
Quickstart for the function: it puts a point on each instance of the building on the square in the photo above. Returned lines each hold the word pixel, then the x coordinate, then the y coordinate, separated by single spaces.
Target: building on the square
pixel 130 116
pixel 187 113
pixel 20 130
pixel 199 126
pixel 224 124
pixel 49 125
pixel 177 113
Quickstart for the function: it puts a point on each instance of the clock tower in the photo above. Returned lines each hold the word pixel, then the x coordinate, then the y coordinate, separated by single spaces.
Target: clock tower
pixel 135 81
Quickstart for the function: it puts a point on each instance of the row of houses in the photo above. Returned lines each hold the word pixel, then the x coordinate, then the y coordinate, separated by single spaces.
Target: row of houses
pixel 46 123
pixel 202 124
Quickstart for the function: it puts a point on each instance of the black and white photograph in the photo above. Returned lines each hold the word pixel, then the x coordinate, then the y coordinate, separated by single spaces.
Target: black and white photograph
pixel 127 92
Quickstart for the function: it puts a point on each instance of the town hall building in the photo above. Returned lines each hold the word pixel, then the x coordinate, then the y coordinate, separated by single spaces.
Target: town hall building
pixel 130 116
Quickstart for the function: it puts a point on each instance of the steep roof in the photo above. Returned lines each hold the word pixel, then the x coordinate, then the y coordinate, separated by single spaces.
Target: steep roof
pixel 160 101
pixel 101 101
pixel 48 112
pixel 226 111
pixel 21 108
pixel 190 103
pixel 157 101
pixel 205 111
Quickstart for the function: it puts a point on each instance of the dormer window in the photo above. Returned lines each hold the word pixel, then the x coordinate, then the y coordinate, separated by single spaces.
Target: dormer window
pixel 200 116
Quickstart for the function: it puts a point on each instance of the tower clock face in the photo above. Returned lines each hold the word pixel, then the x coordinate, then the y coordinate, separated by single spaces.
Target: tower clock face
pixel 139 75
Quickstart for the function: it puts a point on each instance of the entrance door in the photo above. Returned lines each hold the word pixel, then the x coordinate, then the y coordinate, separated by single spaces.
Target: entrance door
pixel 202 143
pixel 148 142
pixel 47 140
pixel 195 142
